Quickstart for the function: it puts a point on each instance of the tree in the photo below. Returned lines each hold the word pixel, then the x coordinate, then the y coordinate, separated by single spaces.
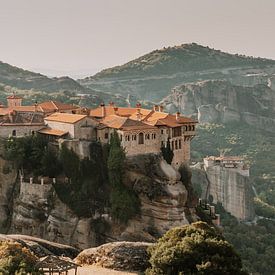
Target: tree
pixel 193 249
pixel 15 259
pixel 167 152
pixel 70 162
pixel 124 202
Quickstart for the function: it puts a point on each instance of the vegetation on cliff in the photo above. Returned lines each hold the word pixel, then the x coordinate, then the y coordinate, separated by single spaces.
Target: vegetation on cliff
pixel 253 242
pixel 15 259
pixel 193 249
pixel 124 202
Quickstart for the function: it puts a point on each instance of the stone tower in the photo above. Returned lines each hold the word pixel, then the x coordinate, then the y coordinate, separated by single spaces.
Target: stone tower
pixel 14 100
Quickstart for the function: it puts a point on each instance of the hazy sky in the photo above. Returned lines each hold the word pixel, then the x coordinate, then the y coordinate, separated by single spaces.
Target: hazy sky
pixel 81 37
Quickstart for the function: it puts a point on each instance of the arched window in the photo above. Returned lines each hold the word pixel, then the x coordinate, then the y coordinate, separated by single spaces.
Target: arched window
pixel 14 133
pixel 176 145
pixel 134 137
pixel 147 136
pixel 140 138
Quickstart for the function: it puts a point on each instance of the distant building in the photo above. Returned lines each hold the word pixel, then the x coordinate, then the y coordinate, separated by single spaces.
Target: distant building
pixel 145 131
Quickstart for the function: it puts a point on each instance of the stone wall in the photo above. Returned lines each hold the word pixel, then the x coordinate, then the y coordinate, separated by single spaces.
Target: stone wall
pixel 21 130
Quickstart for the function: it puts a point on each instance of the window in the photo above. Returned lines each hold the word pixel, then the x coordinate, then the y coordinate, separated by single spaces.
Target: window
pixel 172 145
pixel 176 145
pixel 106 135
pixel 147 136
pixel 153 136
pixel 162 132
pixel 180 144
pixel 14 133
pixel 134 137
pixel 140 138
pixel 176 131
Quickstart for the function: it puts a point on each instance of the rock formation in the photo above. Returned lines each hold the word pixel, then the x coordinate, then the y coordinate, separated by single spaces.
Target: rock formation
pixel 228 186
pixel 42 247
pixel 37 211
pixel 218 101
pixel 127 256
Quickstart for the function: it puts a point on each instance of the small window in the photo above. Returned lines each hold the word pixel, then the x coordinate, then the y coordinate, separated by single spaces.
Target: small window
pixel 140 138
pixel 180 144
pixel 176 145
pixel 14 133
pixel 162 132
pixel 106 135
pixel 147 136
pixel 173 145
pixel 134 137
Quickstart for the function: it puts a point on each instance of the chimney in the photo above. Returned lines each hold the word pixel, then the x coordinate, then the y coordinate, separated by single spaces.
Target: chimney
pixel 139 115
pixel 102 105
pixel 116 109
pixel 35 106
pixel 161 108
pixel 177 115
pixel 138 105
pixel 156 108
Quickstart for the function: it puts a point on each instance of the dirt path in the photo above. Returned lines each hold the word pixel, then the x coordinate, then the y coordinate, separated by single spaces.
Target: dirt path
pixel 93 270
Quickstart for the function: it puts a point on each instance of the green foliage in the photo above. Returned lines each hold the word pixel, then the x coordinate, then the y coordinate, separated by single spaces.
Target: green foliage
pixel 167 152
pixel 88 189
pixel 17 260
pixel 255 243
pixel 32 153
pixel 193 249
pixel 124 202
pixel 263 209
pixel 70 163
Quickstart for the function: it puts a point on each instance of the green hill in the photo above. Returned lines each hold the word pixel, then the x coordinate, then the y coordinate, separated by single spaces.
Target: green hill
pixel 152 76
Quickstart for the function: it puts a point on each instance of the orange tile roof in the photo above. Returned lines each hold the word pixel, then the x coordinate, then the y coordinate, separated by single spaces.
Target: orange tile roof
pixel 52 132
pixel 154 118
pixel 124 123
pixel 31 109
pixel 54 106
pixel 65 117
pixel 120 111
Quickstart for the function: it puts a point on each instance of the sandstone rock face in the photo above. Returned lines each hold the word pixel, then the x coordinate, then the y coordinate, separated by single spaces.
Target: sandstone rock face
pixel 42 247
pixel 163 199
pixel 218 101
pixel 37 211
pixel 227 186
pixel 127 256
pixel 8 177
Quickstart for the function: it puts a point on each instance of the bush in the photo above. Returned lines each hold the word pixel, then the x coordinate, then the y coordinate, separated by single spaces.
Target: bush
pixel 15 259
pixel 193 249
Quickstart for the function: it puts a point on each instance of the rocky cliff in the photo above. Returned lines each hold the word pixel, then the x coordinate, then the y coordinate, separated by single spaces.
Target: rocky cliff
pixel 227 186
pixel 37 211
pixel 218 101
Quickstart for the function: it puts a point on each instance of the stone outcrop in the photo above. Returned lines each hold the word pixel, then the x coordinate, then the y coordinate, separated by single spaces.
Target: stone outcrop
pixel 163 199
pixel 227 186
pixel 42 247
pixel 127 256
pixel 37 211
pixel 218 101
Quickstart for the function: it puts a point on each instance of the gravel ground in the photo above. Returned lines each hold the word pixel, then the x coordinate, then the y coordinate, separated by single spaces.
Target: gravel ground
pixel 93 270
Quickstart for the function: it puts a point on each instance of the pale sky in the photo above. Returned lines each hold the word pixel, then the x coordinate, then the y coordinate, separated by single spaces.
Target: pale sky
pixel 81 37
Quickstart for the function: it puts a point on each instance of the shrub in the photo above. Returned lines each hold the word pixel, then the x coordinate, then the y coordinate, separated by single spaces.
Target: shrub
pixel 15 259
pixel 193 249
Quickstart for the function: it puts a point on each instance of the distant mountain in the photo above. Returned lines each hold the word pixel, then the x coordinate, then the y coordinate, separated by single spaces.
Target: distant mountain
pixel 23 79
pixel 153 75
pixel 38 87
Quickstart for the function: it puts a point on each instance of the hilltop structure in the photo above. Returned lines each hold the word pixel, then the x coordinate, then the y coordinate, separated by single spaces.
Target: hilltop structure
pixel 229 184
pixel 141 131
